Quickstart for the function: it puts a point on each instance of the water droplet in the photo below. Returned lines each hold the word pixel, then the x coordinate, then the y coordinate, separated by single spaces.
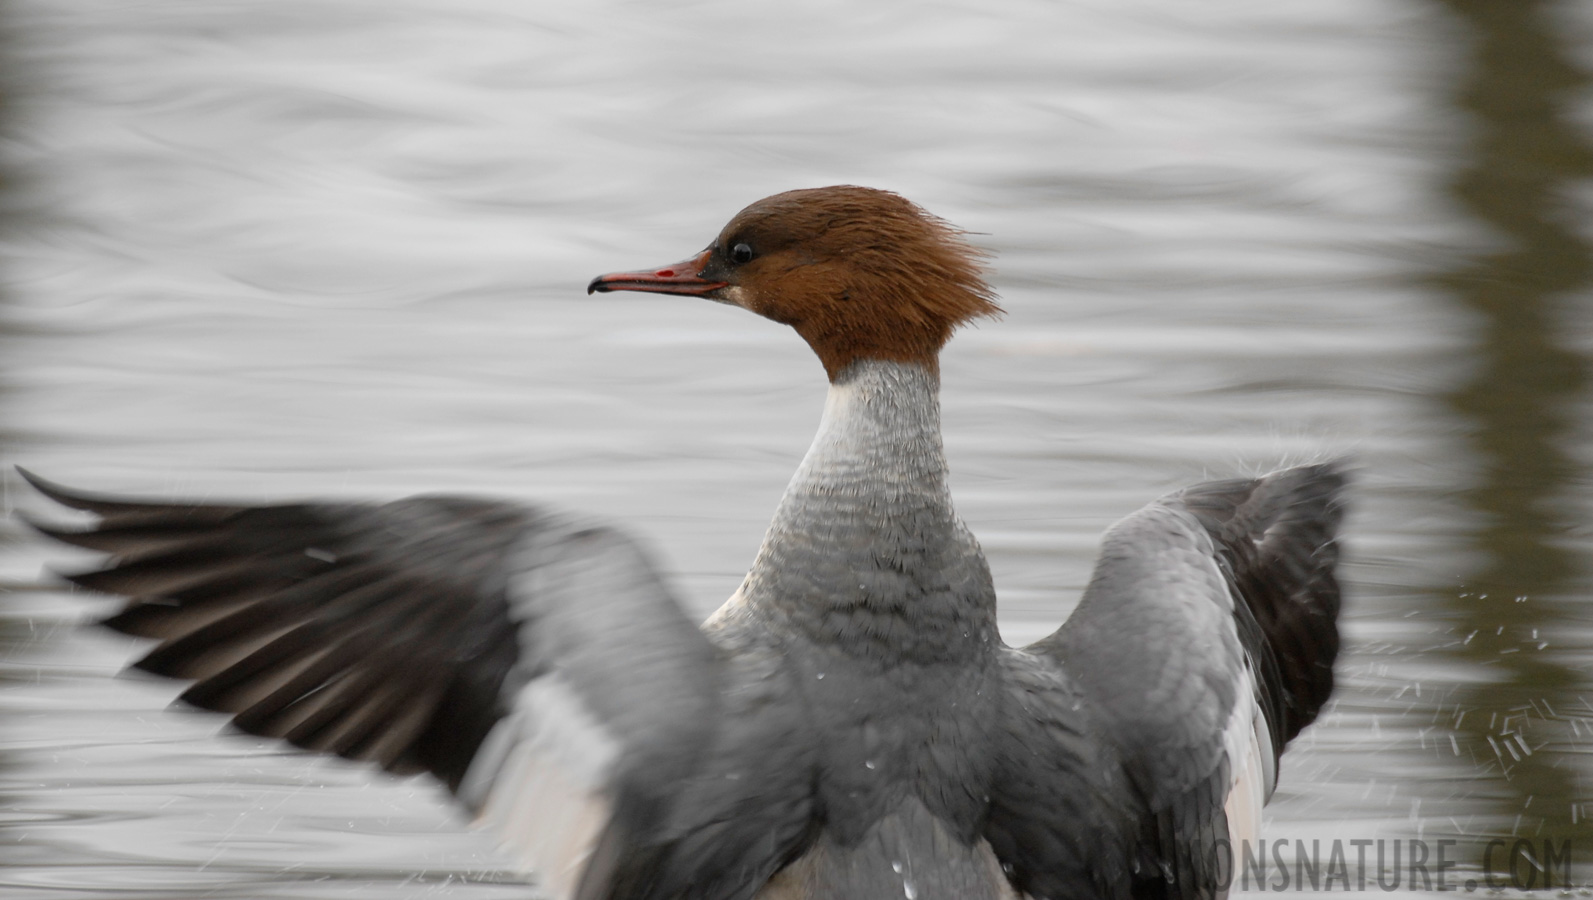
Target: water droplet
pixel 869 763
pixel 896 866
pixel 908 890
pixel 821 676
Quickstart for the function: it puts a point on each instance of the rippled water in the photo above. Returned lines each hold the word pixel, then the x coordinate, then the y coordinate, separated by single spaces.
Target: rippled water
pixel 272 249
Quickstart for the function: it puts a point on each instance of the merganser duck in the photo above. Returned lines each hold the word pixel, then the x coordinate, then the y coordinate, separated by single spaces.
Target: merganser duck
pixel 849 724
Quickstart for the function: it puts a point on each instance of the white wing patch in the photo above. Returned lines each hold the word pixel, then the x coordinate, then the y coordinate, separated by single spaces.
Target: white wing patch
pixel 730 608
pixel 540 780
pixel 1248 743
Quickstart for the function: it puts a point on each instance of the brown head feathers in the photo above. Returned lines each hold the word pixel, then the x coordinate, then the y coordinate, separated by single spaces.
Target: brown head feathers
pixel 859 273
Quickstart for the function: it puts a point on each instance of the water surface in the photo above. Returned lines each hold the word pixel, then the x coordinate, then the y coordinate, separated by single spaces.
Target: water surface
pixel 281 249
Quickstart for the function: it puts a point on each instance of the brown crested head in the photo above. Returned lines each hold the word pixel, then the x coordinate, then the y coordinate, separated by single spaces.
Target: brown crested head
pixel 859 273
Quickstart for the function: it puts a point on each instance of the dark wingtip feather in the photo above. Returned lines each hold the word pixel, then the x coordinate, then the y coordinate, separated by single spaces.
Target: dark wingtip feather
pixel 62 494
pixel 77 537
pixel 103 505
pixel 1279 535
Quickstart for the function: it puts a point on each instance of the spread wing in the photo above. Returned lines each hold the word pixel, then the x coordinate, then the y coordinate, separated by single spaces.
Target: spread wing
pixel 534 663
pixel 1204 642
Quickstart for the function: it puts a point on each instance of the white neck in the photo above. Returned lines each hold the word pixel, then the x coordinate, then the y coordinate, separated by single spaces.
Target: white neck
pixel 881 425
pixel 866 531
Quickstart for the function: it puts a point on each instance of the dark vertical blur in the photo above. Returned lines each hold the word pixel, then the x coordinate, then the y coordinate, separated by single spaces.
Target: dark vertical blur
pixel 1520 607
pixel 12 631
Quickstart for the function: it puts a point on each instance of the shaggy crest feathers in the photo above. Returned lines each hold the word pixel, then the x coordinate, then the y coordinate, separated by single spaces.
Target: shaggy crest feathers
pixel 860 273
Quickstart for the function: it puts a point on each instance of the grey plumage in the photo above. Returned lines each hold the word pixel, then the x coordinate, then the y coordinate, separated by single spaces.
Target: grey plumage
pixel 848 725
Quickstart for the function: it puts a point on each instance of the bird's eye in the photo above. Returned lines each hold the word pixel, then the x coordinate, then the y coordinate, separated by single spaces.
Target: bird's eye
pixel 741 253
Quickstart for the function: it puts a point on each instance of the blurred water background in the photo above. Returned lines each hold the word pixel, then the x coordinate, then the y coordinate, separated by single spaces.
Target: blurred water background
pixel 287 248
